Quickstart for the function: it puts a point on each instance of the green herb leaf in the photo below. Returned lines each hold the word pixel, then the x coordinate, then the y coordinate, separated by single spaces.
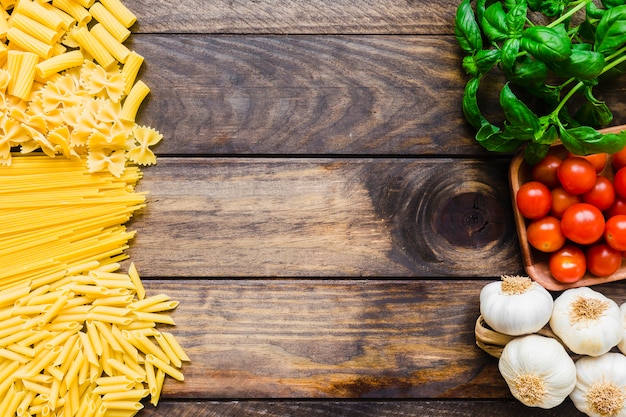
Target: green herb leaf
pixel 517 113
pixel 494 23
pixel 515 19
pixel 509 52
pixel 547 44
pixel 492 139
pixel 611 30
pixel 585 140
pixel 485 59
pixel 612 3
pixel 535 152
pixel 584 65
pixel 470 104
pixel 528 72
pixel 466 28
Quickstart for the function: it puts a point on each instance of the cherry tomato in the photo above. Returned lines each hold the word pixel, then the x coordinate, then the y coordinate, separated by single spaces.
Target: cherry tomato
pixel 618 207
pixel 545 234
pixel 619 182
pixel 545 171
pixel 602 195
pixel 619 159
pixel 561 200
pixel 582 223
pixel 603 260
pixel 598 160
pixel 615 232
pixel 533 200
pixel 568 264
pixel 577 175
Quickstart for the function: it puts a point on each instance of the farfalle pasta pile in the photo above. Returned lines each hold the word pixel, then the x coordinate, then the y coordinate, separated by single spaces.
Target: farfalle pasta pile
pixel 78 336
pixel 68 84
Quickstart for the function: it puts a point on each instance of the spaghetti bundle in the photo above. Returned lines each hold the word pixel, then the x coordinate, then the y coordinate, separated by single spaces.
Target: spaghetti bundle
pixel 77 336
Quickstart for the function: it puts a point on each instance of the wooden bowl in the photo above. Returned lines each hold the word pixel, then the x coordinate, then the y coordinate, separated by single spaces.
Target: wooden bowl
pixel 536 262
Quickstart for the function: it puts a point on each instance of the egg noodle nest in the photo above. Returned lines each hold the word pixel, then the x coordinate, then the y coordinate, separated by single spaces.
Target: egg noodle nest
pixel 78 336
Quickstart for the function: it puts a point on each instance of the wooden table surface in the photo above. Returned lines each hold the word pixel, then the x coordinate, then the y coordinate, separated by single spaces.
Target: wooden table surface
pixel 321 209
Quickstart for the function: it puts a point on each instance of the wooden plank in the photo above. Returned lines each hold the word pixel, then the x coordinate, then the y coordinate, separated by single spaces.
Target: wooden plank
pixel 325 218
pixel 355 408
pixel 289 17
pixel 284 338
pixel 305 95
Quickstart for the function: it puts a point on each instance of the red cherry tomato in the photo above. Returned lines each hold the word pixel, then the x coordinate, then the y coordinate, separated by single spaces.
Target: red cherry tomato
pixel 618 207
pixel 568 264
pixel 577 175
pixel 603 260
pixel 545 234
pixel 582 223
pixel 619 159
pixel 598 160
pixel 602 195
pixel 615 232
pixel 619 182
pixel 533 200
pixel 545 171
pixel 561 200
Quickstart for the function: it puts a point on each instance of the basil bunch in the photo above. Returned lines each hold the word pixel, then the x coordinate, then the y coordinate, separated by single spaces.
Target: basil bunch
pixel 553 61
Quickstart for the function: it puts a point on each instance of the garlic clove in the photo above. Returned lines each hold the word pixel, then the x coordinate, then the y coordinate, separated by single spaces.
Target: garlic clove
pixel 515 305
pixel 538 371
pixel 587 322
pixel 601 385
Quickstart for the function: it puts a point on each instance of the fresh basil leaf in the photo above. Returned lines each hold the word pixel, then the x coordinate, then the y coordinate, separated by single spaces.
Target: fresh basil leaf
pixel 466 28
pixel 612 3
pixel 593 112
pixel 611 30
pixel 516 112
pixel 494 23
pixel 509 52
pixel 491 138
pixel 535 152
pixel 469 65
pixel 515 19
pixel 552 8
pixel 547 44
pixel 584 65
pixel 585 140
pixel 593 11
pixel 527 72
pixel 471 111
pixel 548 137
pixel 485 59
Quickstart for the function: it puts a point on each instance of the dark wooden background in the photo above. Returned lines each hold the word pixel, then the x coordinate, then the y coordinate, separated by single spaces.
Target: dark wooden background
pixel 321 210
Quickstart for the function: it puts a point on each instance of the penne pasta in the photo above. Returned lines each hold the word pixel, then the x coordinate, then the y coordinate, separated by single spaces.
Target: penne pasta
pixel 93 47
pixel 110 22
pixel 25 42
pixel 35 29
pixel 79 13
pixel 120 11
pixel 38 12
pixel 59 63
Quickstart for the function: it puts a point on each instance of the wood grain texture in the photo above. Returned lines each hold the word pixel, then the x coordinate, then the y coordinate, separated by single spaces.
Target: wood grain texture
pixel 283 338
pixel 325 218
pixel 293 408
pixel 301 95
pixel 294 17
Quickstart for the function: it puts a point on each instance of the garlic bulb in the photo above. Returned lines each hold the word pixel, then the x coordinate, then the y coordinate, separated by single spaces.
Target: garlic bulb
pixel 586 321
pixel 622 345
pixel 515 305
pixel 538 370
pixel 601 385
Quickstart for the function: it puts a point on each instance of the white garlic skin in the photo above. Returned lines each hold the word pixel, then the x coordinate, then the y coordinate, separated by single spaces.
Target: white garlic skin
pixel 608 368
pixel 622 345
pixel 515 314
pixel 586 337
pixel 544 358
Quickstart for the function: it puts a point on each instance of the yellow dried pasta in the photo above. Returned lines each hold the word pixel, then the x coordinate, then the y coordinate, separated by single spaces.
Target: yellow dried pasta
pixel 79 48
pixel 78 336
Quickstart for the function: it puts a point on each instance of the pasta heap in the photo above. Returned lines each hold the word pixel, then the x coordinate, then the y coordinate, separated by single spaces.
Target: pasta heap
pixel 78 337
pixel 68 84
